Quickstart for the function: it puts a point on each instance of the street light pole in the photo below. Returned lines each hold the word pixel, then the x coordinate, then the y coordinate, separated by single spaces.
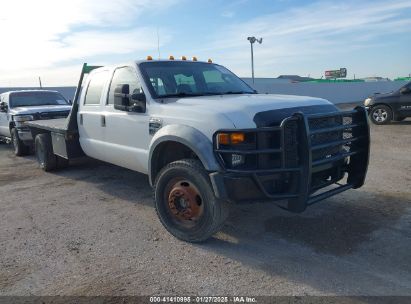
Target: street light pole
pixel 252 41
pixel 252 61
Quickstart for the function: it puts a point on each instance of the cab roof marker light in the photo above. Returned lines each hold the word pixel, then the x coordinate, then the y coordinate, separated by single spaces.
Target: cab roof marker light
pixel 194 58
pixel 209 60
pixel 171 57
pixel 183 58
pixel 149 57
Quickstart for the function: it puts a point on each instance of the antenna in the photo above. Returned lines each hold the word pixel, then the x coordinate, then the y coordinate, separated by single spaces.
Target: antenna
pixel 40 83
pixel 158 44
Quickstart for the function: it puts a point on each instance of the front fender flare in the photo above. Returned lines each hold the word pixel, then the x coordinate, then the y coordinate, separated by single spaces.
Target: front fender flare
pixel 190 137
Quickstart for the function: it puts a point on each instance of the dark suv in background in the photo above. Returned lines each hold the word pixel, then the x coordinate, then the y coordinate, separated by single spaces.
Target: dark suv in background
pixel 385 107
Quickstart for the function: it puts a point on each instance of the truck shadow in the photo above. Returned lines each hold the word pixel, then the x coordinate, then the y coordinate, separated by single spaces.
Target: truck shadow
pixel 337 235
pixel 358 239
pixel 115 181
pixel 337 226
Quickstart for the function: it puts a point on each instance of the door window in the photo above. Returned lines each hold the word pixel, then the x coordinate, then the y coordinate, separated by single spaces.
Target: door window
pixel 95 88
pixel 125 75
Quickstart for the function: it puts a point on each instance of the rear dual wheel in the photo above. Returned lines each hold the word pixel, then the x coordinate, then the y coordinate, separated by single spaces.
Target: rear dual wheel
pixel 46 158
pixel 185 201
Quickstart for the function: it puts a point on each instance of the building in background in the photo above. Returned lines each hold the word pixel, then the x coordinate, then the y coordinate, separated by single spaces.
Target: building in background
pixel 295 78
pixel 375 79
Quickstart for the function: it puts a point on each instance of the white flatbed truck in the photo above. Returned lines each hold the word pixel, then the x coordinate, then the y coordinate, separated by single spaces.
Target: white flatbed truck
pixel 205 138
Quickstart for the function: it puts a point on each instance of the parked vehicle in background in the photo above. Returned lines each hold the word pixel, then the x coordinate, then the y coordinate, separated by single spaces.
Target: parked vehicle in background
pixel 18 107
pixel 385 107
pixel 205 138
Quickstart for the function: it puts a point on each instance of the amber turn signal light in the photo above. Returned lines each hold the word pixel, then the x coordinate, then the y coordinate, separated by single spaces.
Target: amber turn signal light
pixel 237 138
pixel 230 138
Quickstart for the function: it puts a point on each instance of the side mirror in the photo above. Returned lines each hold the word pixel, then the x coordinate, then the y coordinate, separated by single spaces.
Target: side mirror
pixel 3 107
pixel 70 101
pixel 122 97
pixel 405 90
pixel 138 101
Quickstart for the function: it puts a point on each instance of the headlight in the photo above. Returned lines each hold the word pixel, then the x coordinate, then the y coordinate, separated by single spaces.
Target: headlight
pixel 22 118
pixel 367 101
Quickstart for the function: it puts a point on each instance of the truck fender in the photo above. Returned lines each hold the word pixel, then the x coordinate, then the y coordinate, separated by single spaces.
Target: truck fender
pixel 188 136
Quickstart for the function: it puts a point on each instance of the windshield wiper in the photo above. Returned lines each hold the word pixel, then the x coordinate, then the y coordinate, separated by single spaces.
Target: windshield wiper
pixel 182 94
pixel 236 92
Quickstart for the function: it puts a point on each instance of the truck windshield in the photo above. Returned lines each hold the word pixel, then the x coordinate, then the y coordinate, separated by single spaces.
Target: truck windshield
pixel 27 99
pixel 185 79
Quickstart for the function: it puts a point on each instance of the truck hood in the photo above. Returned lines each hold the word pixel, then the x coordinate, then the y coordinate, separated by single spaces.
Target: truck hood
pixel 39 109
pixel 254 110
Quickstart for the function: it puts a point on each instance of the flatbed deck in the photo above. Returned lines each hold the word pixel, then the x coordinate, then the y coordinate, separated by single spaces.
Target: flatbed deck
pixel 58 125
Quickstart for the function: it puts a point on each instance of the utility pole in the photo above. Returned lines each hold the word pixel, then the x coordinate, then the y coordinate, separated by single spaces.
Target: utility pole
pixel 252 41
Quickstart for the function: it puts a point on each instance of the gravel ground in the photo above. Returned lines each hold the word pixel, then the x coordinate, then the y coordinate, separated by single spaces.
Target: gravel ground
pixel 92 230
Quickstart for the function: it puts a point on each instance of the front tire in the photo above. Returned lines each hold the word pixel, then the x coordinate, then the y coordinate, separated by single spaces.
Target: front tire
pixel 44 152
pixel 185 201
pixel 381 115
pixel 20 149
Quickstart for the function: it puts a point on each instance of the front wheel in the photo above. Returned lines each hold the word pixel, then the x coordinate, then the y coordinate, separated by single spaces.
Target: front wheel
pixel 381 114
pixel 20 148
pixel 185 201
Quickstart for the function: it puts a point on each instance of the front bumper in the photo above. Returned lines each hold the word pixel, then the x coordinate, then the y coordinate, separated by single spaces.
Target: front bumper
pixel 313 155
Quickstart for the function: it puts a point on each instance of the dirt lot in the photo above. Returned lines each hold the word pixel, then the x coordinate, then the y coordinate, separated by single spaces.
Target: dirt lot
pixel 92 230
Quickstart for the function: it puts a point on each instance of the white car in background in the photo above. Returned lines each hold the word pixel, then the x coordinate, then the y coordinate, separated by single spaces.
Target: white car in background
pixel 17 107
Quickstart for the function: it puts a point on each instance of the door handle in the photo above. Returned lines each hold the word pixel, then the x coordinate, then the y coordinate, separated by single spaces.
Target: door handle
pixel 103 120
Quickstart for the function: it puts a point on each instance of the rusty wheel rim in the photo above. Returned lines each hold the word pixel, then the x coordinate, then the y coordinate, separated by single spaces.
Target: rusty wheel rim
pixel 184 202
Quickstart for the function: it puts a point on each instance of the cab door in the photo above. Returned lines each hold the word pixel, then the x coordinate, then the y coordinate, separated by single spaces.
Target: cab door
pixel 126 133
pixel 89 117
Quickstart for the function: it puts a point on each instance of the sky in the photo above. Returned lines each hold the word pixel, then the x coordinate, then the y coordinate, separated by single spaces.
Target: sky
pixel 52 38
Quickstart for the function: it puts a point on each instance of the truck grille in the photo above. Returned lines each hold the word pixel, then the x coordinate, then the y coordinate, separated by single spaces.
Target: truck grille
pixel 291 158
pixel 332 136
pixel 325 137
